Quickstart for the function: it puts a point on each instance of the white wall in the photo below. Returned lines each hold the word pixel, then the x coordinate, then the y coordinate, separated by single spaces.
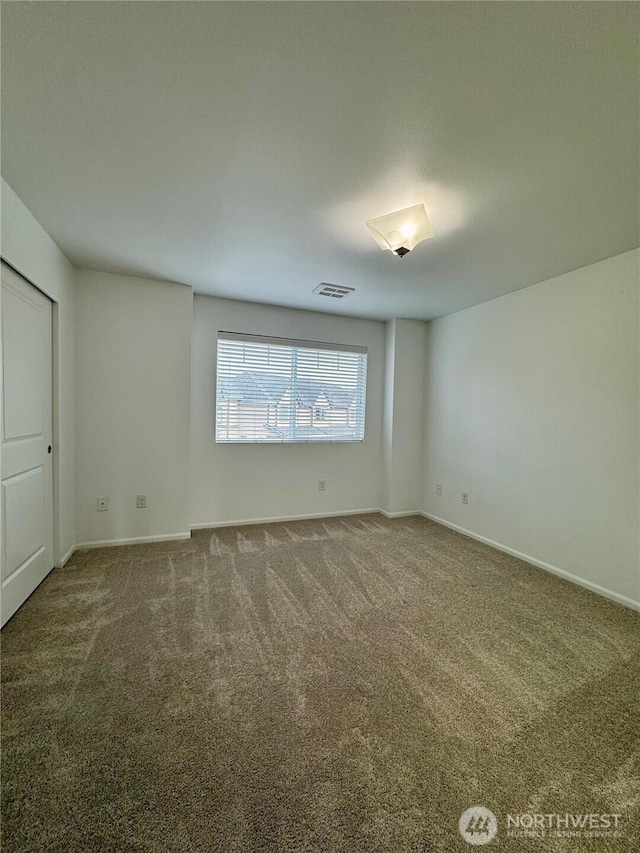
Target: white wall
pixel 133 351
pixel 402 418
pixel 532 407
pixel 27 247
pixel 257 481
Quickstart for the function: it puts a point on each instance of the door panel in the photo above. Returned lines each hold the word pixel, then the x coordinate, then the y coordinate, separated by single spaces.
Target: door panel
pixel 26 493
pixel 23 351
pixel 24 510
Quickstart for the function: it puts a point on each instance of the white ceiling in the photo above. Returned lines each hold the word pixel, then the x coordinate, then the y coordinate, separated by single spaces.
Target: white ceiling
pixel 239 147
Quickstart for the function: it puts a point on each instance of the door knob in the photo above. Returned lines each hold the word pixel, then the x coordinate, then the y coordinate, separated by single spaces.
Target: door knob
pixel 49 449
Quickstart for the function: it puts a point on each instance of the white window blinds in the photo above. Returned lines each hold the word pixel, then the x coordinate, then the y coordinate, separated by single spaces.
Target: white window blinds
pixel 279 390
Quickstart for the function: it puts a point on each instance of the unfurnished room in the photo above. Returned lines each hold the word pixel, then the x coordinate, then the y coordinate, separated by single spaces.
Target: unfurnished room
pixel 320 451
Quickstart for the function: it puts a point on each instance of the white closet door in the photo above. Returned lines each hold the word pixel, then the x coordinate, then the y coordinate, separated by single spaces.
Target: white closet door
pixel 26 460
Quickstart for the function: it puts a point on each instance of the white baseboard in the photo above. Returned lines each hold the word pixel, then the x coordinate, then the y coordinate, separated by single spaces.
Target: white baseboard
pixel 275 520
pixel 540 564
pixel 135 540
pixel 66 557
pixel 527 558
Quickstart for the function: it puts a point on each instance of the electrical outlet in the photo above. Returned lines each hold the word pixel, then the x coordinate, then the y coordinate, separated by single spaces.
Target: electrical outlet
pixel 141 501
pixel 322 485
pixel 103 504
pixel 438 489
pixel 465 497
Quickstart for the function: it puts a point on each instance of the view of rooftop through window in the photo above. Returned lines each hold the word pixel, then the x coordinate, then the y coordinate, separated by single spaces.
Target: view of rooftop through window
pixel 271 389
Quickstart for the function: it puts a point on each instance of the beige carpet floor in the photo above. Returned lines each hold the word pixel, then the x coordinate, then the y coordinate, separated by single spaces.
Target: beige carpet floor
pixel 344 684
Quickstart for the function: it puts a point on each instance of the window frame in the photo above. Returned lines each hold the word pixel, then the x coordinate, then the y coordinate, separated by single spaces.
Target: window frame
pixel 276 408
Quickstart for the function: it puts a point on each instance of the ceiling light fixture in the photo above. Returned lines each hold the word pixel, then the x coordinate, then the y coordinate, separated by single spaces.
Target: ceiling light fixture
pixel 402 230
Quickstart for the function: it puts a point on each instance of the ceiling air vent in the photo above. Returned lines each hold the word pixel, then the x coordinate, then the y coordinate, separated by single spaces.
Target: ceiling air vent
pixel 337 291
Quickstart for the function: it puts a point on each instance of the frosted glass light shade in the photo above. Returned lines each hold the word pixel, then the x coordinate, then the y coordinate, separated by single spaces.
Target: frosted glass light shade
pixel 402 230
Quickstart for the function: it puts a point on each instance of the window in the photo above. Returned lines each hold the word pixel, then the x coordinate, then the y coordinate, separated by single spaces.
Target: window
pixel 279 390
